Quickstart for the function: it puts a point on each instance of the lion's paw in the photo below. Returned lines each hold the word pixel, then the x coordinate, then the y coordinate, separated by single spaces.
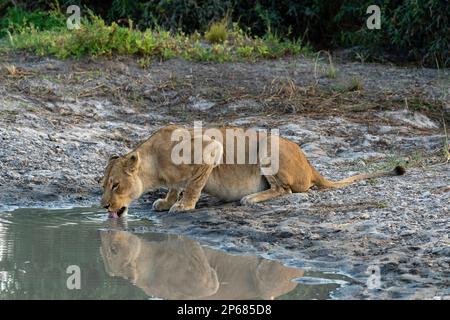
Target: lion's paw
pixel 178 207
pixel 161 205
pixel 248 200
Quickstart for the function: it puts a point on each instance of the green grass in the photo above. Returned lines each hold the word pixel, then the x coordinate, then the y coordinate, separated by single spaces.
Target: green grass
pixel 416 159
pixel 355 85
pixel 17 19
pixel 96 38
pixel 217 32
pixel 332 71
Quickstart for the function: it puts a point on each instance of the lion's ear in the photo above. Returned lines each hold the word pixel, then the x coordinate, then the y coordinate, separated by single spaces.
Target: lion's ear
pixel 132 162
pixel 113 157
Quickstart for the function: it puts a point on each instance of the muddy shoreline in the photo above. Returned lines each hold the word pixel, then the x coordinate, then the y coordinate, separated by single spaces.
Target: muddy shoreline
pixel 61 120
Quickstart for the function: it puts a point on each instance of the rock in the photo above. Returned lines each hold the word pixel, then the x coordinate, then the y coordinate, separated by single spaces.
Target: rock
pixel 407 233
pixel 369 139
pixel 200 104
pixel 296 130
pixel 244 105
pixel 313 150
pixel 415 119
pixel 426 194
pixel 315 236
pixel 447 106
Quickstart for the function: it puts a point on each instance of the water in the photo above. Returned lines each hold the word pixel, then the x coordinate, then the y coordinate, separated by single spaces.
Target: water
pixel 118 259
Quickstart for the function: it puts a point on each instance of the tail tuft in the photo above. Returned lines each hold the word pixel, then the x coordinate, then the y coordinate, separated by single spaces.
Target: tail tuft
pixel 399 170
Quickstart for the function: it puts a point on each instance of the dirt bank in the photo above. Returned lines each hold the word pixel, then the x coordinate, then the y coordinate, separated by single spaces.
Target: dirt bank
pixel 60 121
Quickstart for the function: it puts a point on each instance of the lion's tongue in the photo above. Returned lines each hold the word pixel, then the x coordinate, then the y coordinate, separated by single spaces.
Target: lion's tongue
pixel 113 215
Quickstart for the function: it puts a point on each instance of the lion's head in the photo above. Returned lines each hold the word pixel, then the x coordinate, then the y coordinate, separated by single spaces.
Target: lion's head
pixel 121 184
pixel 119 251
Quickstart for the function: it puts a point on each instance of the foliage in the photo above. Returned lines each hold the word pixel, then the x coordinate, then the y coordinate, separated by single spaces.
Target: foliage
pixel 217 32
pixel 97 38
pixel 411 30
pixel 17 19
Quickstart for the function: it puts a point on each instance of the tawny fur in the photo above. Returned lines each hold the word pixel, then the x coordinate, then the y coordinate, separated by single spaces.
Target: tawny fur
pixel 150 166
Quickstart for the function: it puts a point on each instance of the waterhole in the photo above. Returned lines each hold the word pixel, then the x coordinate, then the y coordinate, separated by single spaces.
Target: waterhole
pixel 81 254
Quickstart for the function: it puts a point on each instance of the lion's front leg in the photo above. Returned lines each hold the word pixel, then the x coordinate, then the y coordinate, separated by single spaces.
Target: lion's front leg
pixel 166 203
pixel 192 192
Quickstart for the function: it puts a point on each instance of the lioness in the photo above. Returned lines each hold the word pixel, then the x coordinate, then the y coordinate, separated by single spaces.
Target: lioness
pixel 150 165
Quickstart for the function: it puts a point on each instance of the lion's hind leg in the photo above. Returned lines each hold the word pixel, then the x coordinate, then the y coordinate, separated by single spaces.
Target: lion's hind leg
pixel 275 190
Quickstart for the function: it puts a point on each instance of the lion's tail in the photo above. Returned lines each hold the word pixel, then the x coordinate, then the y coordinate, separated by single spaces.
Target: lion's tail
pixel 323 183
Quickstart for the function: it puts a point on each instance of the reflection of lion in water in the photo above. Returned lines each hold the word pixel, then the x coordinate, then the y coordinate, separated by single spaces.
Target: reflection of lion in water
pixel 175 267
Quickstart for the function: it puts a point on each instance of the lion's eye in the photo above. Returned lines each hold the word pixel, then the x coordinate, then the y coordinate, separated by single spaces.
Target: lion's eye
pixel 115 186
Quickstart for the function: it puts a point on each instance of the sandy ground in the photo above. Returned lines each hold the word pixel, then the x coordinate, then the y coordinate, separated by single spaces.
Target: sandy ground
pixel 60 121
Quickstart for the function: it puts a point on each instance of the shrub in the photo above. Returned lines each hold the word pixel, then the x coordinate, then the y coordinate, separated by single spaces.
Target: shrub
pixel 17 19
pixel 97 38
pixel 411 30
pixel 218 31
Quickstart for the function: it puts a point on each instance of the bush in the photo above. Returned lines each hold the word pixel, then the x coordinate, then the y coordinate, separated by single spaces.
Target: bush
pixel 411 30
pixel 218 31
pixel 97 38
pixel 16 19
